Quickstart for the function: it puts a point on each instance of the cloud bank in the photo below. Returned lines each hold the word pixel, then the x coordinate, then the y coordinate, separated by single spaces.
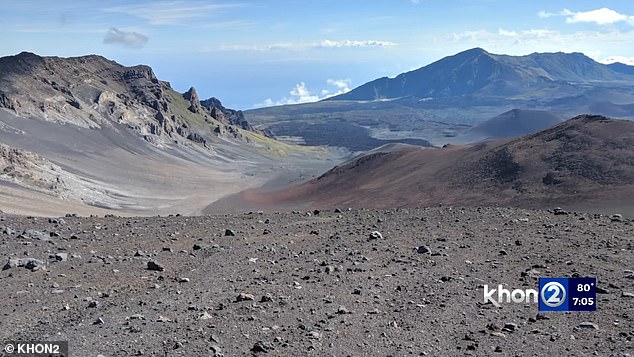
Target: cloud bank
pixel 301 94
pixel 602 16
pixel 621 59
pixel 353 43
pixel 302 46
pixel 114 36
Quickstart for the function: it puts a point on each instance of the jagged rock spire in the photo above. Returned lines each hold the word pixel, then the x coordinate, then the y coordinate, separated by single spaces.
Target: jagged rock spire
pixel 192 96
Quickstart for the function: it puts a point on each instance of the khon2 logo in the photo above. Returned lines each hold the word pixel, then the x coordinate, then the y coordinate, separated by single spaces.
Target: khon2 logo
pixel 555 294
pixel 567 294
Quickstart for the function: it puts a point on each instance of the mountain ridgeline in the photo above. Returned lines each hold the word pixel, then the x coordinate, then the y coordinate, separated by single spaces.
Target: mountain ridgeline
pixel 478 72
pixel 92 91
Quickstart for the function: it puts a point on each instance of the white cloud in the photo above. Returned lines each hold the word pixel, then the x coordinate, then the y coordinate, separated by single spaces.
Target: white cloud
pixel 595 44
pixel 504 32
pixel 470 35
pixel 299 46
pixel 125 39
pixel 271 47
pixel 551 38
pixel 621 59
pixel 354 43
pixel 342 85
pixel 268 102
pixel 301 94
pixel 169 12
pixel 540 34
pixel 602 16
pixel 545 14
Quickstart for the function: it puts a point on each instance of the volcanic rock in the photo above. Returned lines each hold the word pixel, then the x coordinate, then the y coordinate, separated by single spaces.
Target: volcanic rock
pixel 154 266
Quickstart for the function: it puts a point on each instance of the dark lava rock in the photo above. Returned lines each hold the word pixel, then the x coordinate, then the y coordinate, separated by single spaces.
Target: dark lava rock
pixel 423 249
pixel 229 233
pixel 262 346
pixel 33 264
pixel 29 263
pixel 245 297
pixel 93 304
pixel 154 266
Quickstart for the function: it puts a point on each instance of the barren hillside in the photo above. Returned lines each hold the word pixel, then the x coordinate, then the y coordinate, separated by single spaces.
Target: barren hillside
pixel 586 161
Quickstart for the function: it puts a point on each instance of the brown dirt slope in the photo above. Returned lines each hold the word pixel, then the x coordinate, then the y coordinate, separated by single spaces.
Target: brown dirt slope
pixel 587 161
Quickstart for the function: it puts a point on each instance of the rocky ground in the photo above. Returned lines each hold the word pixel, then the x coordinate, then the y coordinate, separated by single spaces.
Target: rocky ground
pixel 319 283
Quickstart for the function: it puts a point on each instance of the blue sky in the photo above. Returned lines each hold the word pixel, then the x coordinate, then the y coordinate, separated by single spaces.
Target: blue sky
pixel 250 53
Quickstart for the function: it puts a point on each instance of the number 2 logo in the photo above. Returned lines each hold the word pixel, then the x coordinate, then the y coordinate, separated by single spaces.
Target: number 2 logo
pixel 553 294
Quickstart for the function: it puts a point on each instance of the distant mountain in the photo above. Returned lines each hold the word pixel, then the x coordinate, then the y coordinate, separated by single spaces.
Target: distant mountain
pixel 440 102
pixel 585 161
pixel 478 72
pixel 621 68
pixel 514 123
pixel 614 110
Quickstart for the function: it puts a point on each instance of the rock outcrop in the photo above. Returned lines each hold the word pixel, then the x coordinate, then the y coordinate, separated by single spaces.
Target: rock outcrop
pixel 94 92
pixel 218 111
pixel 30 170
pixel 194 101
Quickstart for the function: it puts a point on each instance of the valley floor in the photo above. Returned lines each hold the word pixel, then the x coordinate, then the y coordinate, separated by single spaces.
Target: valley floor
pixel 49 169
